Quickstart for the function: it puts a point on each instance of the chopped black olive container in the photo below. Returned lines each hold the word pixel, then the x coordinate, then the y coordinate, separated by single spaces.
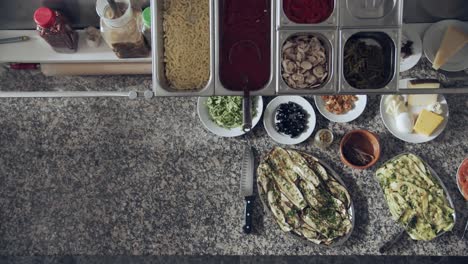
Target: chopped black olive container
pixel 389 40
pixel 386 64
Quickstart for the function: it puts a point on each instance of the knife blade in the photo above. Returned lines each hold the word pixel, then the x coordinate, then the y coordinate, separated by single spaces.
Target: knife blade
pixel 397 237
pixel 246 187
pixel 466 225
pixel 464 231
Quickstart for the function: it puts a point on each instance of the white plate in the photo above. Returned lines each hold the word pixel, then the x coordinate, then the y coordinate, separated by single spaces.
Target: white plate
pixel 270 115
pixel 411 61
pixel 214 128
pixel 390 123
pixel 433 38
pixel 359 107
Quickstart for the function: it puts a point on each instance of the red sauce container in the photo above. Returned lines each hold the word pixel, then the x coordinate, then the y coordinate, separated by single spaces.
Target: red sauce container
pixel 245 44
pixel 308 11
pixel 54 28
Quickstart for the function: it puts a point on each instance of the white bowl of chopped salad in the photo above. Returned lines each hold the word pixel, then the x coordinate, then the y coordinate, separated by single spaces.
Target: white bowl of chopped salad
pixel 222 115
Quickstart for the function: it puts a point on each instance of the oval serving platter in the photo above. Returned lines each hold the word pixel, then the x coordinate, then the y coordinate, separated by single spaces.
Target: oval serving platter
pixel 338 242
pixel 436 177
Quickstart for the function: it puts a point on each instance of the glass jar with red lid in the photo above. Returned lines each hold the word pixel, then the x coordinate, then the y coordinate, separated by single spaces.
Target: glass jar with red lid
pixel 54 28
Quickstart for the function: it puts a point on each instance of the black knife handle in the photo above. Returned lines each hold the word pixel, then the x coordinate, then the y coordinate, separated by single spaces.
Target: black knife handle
pixel 249 200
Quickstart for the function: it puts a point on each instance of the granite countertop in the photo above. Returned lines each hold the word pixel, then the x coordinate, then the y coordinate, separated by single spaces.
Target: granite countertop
pixel 106 176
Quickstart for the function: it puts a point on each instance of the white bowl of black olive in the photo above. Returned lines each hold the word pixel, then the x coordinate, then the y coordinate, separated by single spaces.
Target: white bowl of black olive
pixel 289 120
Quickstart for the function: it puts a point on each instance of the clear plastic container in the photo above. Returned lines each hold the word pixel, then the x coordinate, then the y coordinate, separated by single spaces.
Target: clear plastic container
pixel 147 25
pixel 123 33
pixel 370 9
pixel 54 28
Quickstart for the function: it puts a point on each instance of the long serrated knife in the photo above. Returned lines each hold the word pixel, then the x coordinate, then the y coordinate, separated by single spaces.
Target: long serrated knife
pixel 389 244
pixel 246 187
pixel 464 231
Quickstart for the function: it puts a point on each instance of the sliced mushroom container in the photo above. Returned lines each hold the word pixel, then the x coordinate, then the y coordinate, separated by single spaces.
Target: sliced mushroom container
pixel 371 13
pixel 369 60
pixel 307 61
pixel 306 14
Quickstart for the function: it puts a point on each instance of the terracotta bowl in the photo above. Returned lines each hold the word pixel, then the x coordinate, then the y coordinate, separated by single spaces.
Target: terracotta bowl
pixel 362 140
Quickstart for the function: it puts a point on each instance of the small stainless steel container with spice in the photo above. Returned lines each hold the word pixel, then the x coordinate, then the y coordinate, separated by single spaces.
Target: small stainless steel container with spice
pixel 161 86
pixel 285 22
pixel 329 39
pixel 323 138
pixel 389 42
pixel 270 87
pixel 373 13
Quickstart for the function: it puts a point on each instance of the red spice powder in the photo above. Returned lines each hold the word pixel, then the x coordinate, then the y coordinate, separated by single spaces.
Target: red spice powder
pixel 308 11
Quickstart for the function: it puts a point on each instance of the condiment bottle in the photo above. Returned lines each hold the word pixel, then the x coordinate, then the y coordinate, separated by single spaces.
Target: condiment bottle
pixel 122 33
pixel 147 25
pixel 54 28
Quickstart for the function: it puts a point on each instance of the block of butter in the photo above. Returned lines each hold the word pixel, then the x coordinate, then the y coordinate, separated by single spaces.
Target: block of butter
pixel 424 84
pixel 427 123
pixel 423 99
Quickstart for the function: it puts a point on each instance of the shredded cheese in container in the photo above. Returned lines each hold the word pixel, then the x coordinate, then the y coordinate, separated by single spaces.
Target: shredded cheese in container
pixel 186 25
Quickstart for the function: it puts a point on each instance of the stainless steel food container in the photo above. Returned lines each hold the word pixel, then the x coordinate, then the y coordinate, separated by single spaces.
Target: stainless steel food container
pixel 160 84
pixel 330 39
pixel 360 13
pixel 270 88
pixel 392 86
pixel 283 22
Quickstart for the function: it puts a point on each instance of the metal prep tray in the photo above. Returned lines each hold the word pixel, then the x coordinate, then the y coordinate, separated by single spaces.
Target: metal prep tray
pixel 352 16
pixel 392 85
pixel 160 84
pixel 436 177
pixel 283 22
pixel 270 88
pixel 158 71
pixel 330 38
pixel 351 210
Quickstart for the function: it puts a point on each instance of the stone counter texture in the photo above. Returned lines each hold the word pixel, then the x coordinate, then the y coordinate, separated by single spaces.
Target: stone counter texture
pixel 121 177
